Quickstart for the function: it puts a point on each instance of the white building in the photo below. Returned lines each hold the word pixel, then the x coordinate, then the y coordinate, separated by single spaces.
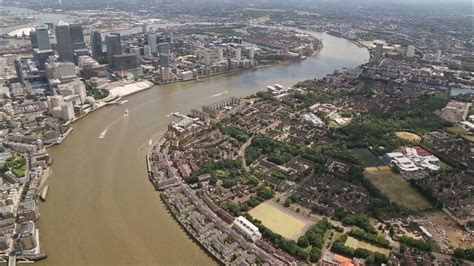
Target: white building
pixel 135 50
pixel 313 119
pixel 187 75
pixel 438 56
pixel 251 53
pixel 402 162
pixel 220 55
pixel 152 43
pixel 67 112
pixel 238 54
pixel 248 229
pixel 60 70
pixel 74 87
pixel 410 51
pixel 146 50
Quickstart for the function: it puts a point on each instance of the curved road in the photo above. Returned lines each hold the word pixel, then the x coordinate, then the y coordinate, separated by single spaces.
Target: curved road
pixel 101 208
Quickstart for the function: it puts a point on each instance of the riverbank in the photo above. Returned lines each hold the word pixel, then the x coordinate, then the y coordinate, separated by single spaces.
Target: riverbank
pixel 201 78
pixel 131 88
pixel 188 230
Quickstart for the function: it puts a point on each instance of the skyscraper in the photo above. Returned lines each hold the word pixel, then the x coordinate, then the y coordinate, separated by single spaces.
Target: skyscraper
pixel 378 51
pixel 114 47
pixel 40 38
pixel 438 56
pixel 410 51
pixel 77 36
pixel 152 43
pixel 96 44
pixel 20 75
pixel 220 55
pixel 64 42
pixel 252 53
pixel 165 54
pixel 33 39
pixel 238 54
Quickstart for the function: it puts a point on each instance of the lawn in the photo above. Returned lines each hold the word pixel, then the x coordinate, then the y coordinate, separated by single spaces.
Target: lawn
pixel 355 244
pixel 456 130
pixel 408 136
pixel 396 188
pixel 281 220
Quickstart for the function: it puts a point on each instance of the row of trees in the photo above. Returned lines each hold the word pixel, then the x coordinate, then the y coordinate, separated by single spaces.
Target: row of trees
pixel 467 254
pixel 315 238
pixel 416 243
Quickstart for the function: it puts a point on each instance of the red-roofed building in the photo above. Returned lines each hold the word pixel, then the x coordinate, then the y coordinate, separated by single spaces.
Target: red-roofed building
pixel 332 259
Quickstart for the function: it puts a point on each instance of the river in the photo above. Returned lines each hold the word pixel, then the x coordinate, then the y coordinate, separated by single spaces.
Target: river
pixel 102 210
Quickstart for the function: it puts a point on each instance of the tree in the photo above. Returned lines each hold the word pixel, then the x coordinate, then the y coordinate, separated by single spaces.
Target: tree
pixel 315 255
pixel 303 241
pixel 288 202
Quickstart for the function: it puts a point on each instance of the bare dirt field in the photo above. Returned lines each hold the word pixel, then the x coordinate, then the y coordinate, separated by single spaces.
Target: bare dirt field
pixel 445 231
pixel 281 220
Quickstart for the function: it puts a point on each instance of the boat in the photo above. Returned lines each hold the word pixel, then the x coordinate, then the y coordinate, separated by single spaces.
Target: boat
pixel 198 80
pixel 126 111
pixel 44 193
pixel 102 134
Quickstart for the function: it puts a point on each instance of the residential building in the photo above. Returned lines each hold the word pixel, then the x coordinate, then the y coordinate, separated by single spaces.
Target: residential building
pixel 245 227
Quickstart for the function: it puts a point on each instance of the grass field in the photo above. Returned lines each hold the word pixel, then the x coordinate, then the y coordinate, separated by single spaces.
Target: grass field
pixel 408 136
pixel 456 130
pixel 396 188
pixel 367 157
pixel 281 220
pixel 354 243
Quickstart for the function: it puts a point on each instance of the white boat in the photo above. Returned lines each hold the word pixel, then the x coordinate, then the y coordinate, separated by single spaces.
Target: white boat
pixel 102 134
pixel 126 111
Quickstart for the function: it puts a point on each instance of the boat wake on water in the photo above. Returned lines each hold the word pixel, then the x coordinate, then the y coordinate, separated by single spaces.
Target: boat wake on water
pixel 219 94
pixel 103 133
